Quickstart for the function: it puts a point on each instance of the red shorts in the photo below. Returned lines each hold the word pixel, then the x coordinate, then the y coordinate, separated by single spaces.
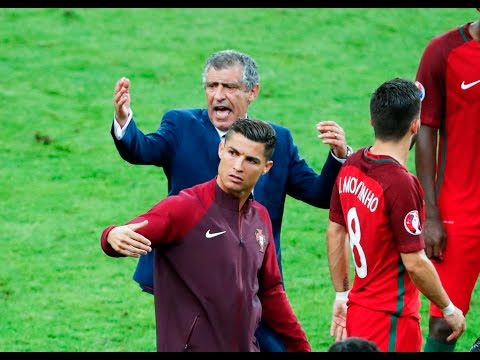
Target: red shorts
pixel 458 271
pixel 389 332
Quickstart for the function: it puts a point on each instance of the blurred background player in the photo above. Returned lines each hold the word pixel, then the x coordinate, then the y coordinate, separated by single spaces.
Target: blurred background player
pixel 447 167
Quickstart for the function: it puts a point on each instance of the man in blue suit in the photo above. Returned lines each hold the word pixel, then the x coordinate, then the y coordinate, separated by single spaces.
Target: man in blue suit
pixel 186 147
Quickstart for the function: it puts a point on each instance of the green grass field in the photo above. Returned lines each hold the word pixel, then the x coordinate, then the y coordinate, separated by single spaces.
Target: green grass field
pixel 63 181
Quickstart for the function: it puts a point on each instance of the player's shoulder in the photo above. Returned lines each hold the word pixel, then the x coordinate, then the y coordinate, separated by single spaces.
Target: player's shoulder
pixel 448 39
pixel 260 207
pixel 385 169
pixel 262 211
pixel 189 201
pixel 399 179
pixel 201 190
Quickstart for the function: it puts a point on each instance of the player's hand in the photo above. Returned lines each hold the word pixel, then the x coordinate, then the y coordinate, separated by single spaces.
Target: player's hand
pixel 126 241
pixel 457 323
pixel 339 320
pixel 435 237
pixel 332 134
pixel 121 100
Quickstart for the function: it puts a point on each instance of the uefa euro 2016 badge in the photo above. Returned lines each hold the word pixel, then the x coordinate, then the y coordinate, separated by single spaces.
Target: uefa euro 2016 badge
pixel 412 223
pixel 421 90
pixel 262 242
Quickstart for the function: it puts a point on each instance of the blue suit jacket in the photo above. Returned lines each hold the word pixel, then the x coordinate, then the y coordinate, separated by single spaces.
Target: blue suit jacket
pixel 186 147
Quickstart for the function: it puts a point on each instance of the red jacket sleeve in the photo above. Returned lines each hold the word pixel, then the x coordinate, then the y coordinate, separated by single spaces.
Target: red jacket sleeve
pixel 276 309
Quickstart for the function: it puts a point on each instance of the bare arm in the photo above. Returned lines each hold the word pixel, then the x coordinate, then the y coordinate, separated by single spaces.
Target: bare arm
pixel 338 262
pixel 425 277
pixel 337 256
pixel 426 163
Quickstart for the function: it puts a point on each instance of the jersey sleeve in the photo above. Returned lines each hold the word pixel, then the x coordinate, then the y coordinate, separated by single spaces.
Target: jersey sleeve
pixel 336 212
pixel 405 206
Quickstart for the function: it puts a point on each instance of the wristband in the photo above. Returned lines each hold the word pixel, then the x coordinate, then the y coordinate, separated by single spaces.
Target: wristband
pixel 448 310
pixel 342 295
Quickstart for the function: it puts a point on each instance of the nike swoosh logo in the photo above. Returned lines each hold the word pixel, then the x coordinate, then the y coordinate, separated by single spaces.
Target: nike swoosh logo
pixel 210 235
pixel 469 85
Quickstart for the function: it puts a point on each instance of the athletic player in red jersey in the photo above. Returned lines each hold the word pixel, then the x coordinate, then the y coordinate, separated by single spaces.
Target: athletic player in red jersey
pixel 450 73
pixel 379 204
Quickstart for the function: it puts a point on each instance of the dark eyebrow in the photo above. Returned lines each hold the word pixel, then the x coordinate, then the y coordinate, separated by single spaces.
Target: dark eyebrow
pixel 233 149
pixel 249 158
pixel 253 158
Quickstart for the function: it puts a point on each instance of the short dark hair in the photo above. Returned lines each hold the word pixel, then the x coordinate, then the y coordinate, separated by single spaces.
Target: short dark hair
pixel 354 344
pixel 226 59
pixel 393 107
pixel 255 130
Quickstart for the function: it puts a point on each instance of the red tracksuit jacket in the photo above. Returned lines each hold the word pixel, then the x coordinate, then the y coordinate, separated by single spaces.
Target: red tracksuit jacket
pixel 215 272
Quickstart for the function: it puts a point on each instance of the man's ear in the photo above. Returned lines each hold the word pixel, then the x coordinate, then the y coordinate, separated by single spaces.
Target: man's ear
pixel 221 146
pixel 253 93
pixel 268 166
pixel 416 125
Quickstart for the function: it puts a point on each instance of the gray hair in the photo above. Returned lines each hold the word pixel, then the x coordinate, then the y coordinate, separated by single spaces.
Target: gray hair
pixel 229 58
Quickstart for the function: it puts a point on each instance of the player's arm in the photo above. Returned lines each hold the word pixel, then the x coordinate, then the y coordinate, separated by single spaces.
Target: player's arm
pixel 425 277
pixel 125 240
pixel 337 251
pixel 141 234
pixel 338 262
pixel 426 164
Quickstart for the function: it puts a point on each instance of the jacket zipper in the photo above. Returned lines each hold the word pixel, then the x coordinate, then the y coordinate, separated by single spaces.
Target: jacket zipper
pixel 190 333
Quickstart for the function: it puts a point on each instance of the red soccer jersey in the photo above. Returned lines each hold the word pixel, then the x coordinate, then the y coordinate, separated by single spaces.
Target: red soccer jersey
pixel 450 72
pixel 381 205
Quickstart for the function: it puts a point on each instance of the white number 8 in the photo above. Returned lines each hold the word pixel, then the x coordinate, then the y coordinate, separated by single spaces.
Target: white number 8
pixel 355 236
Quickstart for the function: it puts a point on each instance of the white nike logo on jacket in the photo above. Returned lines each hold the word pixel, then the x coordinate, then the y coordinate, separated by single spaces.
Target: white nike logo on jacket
pixel 209 235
